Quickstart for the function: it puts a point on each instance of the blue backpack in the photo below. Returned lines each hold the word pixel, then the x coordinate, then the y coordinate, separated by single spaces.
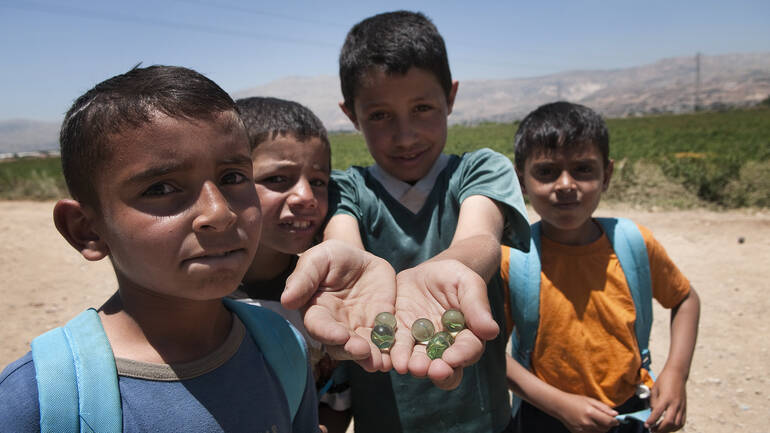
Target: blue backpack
pixel 77 380
pixel 524 287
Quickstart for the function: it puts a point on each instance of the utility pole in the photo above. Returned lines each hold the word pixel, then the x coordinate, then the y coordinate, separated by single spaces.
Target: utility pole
pixel 697 82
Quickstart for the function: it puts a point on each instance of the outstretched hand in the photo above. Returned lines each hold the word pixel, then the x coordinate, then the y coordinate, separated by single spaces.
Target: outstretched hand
pixel 342 288
pixel 427 291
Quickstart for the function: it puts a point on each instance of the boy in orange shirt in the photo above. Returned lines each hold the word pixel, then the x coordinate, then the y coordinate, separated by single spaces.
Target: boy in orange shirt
pixel 584 364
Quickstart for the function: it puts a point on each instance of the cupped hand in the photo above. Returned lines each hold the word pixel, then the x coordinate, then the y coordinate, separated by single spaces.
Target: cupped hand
pixel 427 291
pixel 341 289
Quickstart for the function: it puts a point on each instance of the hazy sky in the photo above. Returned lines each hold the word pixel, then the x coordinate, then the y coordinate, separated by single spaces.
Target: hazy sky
pixel 53 51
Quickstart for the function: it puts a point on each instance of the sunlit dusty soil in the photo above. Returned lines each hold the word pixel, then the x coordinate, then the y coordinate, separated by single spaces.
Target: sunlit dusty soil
pixel 45 282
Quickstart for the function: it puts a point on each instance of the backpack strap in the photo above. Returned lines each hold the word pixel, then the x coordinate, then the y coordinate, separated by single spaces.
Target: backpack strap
pixel 282 345
pixel 77 380
pixel 524 289
pixel 631 250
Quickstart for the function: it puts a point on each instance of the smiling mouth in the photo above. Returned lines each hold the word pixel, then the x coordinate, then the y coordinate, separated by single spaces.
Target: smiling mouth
pixel 297 225
pixel 410 156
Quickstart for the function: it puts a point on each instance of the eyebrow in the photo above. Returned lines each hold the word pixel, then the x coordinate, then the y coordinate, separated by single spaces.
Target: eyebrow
pixel 162 169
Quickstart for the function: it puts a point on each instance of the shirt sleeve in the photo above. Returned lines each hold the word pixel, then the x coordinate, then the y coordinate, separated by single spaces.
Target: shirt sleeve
pixel 343 193
pixel 491 174
pixel 19 409
pixel 669 285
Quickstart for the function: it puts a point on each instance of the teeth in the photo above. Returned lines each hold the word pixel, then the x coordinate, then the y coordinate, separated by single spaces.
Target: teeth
pixel 299 224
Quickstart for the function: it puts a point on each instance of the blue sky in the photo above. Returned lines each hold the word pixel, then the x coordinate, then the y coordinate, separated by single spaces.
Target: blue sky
pixel 53 51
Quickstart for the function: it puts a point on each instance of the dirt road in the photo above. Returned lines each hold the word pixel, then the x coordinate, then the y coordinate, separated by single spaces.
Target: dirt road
pixel 45 282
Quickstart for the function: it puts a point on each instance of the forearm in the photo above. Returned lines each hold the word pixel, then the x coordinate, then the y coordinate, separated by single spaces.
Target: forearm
pixel 476 241
pixel 684 332
pixel 344 227
pixel 530 388
pixel 481 253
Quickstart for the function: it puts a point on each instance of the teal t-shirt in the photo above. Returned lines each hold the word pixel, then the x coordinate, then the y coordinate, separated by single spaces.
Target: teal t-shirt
pixel 389 402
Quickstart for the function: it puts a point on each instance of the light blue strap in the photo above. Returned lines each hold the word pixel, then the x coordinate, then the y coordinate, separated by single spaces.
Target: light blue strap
pixel 76 374
pixel 56 384
pixel 640 415
pixel 631 250
pixel 282 345
pixel 524 289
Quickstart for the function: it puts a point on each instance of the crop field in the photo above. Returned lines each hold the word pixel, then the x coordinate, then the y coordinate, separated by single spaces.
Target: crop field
pixel 719 159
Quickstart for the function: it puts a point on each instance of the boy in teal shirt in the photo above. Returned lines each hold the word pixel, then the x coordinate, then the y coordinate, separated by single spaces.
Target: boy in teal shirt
pixel 428 214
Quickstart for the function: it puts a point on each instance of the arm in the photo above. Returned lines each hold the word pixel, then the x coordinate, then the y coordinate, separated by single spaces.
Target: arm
pixel 455 278
pixel 669 397
pixel 578 413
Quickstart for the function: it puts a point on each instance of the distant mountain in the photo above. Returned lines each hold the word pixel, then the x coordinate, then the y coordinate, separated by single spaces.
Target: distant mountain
pixel 665 86
pixel 22 135
pixel 668 85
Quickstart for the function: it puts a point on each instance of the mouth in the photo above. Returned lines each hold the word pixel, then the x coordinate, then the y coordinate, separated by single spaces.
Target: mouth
pixel 567 205
pixel 409 156
pixel 217 258
pixel 297 225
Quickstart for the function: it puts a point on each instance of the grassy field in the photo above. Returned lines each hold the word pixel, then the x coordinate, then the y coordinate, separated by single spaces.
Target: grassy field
pixel 717 159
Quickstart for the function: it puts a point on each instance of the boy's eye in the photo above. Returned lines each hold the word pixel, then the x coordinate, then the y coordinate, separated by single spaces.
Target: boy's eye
pixel 233 178
pixel 319 183
pixel 159 189
pixel 377 115
pixel 423 108
pixel 273 179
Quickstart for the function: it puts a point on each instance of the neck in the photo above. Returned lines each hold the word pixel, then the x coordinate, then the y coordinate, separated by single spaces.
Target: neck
pixel 587 233
pixel 148 327
pixel 267 264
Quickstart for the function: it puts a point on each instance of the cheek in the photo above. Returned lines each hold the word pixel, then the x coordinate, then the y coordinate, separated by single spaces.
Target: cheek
pixel 270 201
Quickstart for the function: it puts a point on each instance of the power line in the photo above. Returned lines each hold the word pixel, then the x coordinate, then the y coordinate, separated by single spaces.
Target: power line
pixel 127 18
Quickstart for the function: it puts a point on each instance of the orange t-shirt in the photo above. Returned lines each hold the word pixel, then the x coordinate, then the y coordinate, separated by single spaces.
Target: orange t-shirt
pixel 585 341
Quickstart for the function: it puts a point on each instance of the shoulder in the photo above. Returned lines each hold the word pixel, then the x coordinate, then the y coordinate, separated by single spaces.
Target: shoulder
pixel 484 156
pixel 19 410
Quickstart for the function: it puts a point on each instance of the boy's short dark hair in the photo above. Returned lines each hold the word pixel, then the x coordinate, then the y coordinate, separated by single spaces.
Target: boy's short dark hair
pixel 560 125
pixel 266 118
pixel 129 101
pixel 395 42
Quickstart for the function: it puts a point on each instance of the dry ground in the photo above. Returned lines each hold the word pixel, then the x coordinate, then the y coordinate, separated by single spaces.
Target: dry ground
pixel 45 282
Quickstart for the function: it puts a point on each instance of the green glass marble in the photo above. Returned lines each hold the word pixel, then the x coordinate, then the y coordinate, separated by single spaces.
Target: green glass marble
pixel 453 321
pixel 422 330
pixel 438 344
pixel 385 319
pixel 383 337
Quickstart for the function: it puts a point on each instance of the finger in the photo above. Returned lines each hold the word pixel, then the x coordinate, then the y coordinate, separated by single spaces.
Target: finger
pixel 466 350
pixel 474 304
pixel 401 351
pixel 443 381
pixel 603 408
pixel 312 267
pixel 655 414
pixel 419 362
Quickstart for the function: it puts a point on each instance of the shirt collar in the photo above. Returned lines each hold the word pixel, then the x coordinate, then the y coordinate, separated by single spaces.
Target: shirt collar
pixel 411 197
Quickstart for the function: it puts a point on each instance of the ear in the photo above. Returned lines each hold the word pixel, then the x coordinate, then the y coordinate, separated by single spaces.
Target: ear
pixel 450 100
pixel 608 175
pixel 76 222
pixel 350 114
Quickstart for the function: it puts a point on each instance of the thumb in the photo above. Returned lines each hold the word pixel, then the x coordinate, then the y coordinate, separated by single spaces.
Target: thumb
pixel 311 270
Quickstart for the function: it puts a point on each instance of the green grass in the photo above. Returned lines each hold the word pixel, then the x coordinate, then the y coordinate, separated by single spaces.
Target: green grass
pixel 705 159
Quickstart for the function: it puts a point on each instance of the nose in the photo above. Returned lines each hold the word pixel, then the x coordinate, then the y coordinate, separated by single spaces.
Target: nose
pixel 301 195
pixel 213 210
pixel 406 134
pixel 565 182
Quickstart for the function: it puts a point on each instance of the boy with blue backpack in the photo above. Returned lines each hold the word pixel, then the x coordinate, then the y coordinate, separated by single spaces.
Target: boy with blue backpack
pixel 158 165
pixel 581 298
